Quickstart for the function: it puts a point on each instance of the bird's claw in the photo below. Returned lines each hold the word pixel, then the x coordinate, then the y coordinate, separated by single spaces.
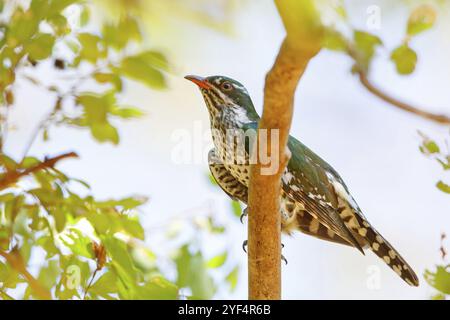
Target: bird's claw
pixel 244 214
pixel 244 246
pixel 283 258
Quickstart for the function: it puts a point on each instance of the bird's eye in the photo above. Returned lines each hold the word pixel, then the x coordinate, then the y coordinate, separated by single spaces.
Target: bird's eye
pixel 227 86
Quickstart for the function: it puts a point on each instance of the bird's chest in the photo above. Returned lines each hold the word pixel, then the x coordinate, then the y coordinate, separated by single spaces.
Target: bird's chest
pixel 229 141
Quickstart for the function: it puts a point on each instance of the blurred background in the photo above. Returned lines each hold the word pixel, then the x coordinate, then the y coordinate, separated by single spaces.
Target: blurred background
pixel 374 146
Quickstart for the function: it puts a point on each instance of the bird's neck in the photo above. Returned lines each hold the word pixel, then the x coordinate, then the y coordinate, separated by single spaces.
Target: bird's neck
pixel 231 117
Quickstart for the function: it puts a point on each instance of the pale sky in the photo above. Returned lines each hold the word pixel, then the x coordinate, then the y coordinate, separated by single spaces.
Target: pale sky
pixel 371 144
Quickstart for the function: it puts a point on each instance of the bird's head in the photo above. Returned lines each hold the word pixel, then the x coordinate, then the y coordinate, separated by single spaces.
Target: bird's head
pixel 223 92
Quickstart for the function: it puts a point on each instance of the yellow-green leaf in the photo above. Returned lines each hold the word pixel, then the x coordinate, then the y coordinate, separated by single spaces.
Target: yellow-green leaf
pixel 421 19
pixel 217 261
pixel 443 187
pixel 232 277
pixel 41 46
pixel 138 68
pixel 405 59
pixel 440 279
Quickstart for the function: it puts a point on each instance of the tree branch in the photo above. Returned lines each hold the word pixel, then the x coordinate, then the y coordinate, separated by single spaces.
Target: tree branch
pixel 264 227
pixel 439 118
pixel 12 177
pixel 15 260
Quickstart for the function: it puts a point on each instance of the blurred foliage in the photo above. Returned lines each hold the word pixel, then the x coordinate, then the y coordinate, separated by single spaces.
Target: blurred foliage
pixel 56 240
pixel 440 278
pixel 361 45
pixel 440 154
pixel 164 15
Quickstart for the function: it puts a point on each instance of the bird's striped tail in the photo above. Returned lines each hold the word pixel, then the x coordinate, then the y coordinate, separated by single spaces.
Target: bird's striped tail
pixel 383 249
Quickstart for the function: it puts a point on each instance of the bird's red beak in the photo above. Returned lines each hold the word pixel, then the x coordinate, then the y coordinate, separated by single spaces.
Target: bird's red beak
pixel 200 81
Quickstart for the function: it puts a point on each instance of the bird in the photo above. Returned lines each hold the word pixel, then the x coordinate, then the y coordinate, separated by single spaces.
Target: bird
pixel 314 198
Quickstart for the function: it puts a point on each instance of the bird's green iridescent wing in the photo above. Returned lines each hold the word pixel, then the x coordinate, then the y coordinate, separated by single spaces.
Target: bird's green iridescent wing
pixel 312 182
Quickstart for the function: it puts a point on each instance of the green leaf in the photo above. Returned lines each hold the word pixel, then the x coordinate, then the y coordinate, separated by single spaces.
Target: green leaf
pixel 236 207
pixel 217 261
pixel 127 113
pixel 212 180
pixel 421 19
pixel 140 69
pixel 84 17
pixel 105 132
pixel 121 260
pixel 96 107
pixel 405 59
pixel 232 278
pixel 78 243
pixel 366 45
pixel 96 110
pixel 111 78
pixel 47 243
pixel 443 187
pixel 48 274
pixel 56 6
pixel 157 288
pixel 335 41
pixel 7 197
pixel 429 147
pixel 92 49
pixel 8 163
pixel 126 203
pixel 118 36
pixel 9 277
pixel 133 227
pixel 74 277
pixel 192 273
pixel 41 46
pixel 440 279
pixel 22 26
pixel 59 24
pixel 60 218
pixel 155 59
pixel 105 286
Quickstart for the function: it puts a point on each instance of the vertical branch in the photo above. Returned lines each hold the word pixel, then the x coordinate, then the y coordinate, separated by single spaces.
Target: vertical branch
pixel 264 229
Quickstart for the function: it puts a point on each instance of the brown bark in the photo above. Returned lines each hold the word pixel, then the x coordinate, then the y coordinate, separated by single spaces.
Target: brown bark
pixel 264 227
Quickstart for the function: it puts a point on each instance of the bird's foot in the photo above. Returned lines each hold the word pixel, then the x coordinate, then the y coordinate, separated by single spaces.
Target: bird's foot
pixel 243 215
pixel 283 258
pixel 245 244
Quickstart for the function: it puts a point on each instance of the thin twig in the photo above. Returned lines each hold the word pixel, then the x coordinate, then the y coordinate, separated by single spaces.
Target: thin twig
pixel 12 177
pixel 43 124
pixel 5 296
pixel 15 260
pixel 90 282
pixel 439 118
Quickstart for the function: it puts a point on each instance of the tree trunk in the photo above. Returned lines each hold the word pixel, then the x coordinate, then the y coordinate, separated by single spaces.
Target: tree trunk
pixel 264 228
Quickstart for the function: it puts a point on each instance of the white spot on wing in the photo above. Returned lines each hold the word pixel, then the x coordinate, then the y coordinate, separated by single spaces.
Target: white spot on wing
pixel 341 190
pixel 287 177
